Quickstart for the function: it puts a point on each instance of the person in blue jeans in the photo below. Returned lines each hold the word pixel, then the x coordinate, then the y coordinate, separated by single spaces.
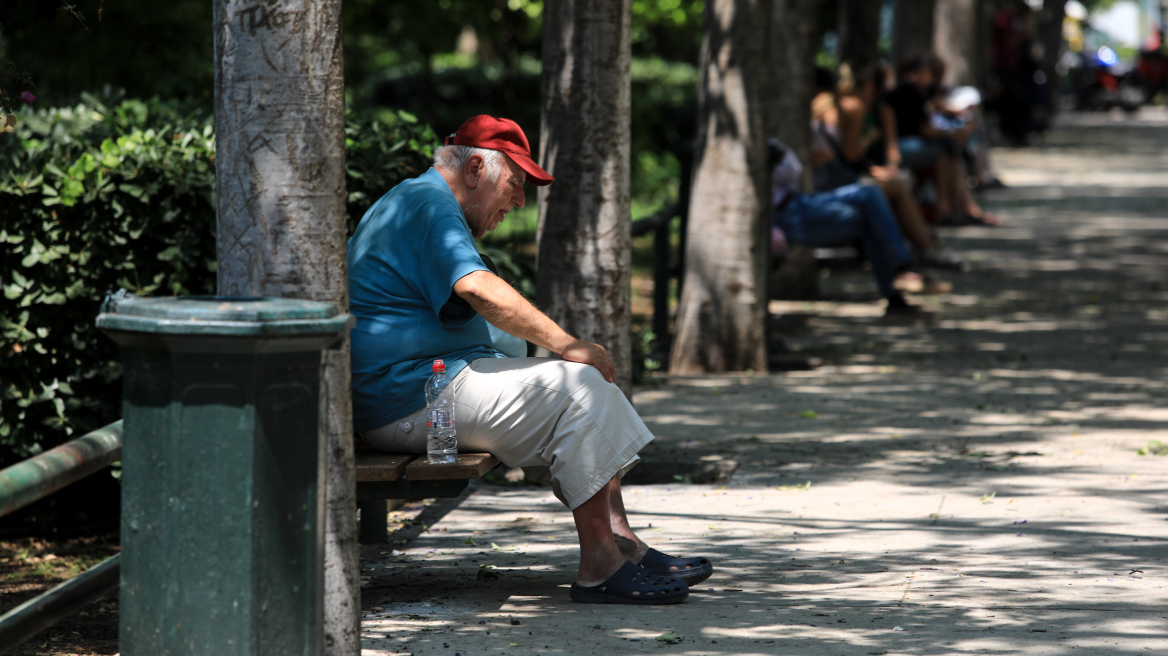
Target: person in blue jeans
pixel 842 215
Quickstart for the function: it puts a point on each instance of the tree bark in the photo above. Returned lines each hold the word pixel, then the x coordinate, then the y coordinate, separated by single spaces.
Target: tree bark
pixel 1050 35
pixel 955 41
pixel 912 29
pixel 280 196
pixel 791 54
pixel 721 320
pixel 585 245
pixel 859 32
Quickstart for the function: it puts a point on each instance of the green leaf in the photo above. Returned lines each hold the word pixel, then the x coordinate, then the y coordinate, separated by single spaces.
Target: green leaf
pixel 71 191
pixel 670 638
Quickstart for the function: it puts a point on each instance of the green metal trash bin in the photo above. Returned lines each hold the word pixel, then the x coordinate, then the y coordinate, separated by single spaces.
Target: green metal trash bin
pixel 222 473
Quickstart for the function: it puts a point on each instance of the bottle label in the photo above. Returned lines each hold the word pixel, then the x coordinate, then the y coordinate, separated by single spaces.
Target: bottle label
pixel 441 419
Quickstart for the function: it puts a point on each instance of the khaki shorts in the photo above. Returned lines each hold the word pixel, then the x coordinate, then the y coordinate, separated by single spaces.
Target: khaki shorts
pixel 560 421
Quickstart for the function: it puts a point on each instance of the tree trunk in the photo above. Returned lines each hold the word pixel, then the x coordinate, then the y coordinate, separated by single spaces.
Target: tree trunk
pixel 280 196
pixel 1050 35
pixel 955 41
pixel 859 32
pixel 721 320
pixel 791 54
pixel 585 246
pixel 912 29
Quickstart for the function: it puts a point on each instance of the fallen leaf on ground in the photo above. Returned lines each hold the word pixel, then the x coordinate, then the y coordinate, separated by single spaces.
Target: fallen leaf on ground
pixel 1154 448
pixel 670 638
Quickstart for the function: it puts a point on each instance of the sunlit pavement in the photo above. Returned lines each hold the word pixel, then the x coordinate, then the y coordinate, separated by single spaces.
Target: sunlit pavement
pixel 974 487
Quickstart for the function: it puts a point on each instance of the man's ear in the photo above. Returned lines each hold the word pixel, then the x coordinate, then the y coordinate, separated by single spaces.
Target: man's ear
pixel 472 173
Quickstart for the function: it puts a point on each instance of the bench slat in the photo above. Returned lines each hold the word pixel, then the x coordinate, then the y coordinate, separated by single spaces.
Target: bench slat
pixel 469 465
pixel 374 466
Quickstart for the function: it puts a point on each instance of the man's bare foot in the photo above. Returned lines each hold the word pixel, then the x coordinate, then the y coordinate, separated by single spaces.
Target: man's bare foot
pixel 981 218
pixel 632 550
pixel 908 281
pixel 596 567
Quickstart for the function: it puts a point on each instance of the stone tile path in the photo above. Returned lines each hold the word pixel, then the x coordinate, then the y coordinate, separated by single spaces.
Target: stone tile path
pixel 966 486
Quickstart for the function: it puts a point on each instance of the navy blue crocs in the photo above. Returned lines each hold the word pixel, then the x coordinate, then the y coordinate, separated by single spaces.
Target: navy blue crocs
pixel 690 570
pixel 631 586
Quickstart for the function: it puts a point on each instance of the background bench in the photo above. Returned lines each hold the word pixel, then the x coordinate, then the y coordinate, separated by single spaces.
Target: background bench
pixel 383 476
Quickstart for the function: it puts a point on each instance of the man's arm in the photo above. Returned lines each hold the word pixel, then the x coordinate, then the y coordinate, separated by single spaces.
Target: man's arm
pixel 507 310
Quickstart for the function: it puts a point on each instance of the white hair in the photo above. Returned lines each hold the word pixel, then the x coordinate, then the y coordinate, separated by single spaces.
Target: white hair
pixel 453 158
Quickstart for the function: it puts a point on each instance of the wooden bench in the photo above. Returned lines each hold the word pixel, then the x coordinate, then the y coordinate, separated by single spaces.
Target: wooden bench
pixel 383 476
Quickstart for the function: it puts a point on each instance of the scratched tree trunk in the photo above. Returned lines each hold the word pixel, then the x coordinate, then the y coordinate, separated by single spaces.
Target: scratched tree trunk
pixel 280 195
pixel 912 28
pixel 791 53
pixel 721 319
pixel 585 247
pixel 859 32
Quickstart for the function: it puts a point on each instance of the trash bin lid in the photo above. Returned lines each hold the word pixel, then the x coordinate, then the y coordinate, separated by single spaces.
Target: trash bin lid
pixel 220 315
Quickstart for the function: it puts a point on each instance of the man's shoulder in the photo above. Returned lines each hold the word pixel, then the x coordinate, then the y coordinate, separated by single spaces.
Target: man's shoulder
pixel 428 190
pixel 414 204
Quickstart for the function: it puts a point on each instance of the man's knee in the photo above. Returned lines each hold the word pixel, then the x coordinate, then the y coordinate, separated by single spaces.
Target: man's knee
pixel 873 197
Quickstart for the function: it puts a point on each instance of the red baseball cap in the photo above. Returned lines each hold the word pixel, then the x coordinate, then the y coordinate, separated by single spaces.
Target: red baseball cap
pixel 504 135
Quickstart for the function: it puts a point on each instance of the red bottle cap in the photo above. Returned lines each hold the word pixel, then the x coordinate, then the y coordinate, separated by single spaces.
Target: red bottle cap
pixel 439 366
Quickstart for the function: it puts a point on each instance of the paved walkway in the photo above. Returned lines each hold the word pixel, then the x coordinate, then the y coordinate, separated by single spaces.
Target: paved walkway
pixel 974 485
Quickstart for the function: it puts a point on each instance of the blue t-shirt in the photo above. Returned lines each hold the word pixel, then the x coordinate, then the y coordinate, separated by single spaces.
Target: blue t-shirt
pixel 404 258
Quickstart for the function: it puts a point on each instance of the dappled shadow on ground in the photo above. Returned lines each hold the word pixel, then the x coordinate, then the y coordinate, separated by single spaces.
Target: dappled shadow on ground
pixel 971 480
pixel 789 584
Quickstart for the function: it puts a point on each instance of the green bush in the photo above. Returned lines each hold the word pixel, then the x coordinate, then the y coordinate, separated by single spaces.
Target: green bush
pixel 119 193
pixel 103 195
pixel 664 110
pixel 382 150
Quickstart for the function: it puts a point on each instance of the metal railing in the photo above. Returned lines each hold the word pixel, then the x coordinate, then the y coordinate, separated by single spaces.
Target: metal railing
pixel 33 479
pixel 659 223
pixel 665 265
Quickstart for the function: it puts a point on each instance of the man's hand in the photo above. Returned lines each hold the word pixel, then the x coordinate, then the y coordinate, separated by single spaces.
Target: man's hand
pixel 593 354
pixel 506 309
pixel 885 173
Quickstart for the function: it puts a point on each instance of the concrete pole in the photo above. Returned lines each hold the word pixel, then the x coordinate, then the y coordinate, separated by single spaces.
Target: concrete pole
pixel 280 195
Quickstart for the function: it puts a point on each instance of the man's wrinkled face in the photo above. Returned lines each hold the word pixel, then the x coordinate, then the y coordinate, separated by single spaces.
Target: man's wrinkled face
pixel 488 203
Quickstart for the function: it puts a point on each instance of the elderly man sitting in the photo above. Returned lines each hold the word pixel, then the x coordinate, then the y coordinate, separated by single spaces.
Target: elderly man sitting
pixel 421 292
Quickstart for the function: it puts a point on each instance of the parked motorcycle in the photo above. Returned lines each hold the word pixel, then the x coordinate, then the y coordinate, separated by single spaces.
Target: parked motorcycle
pixel 1101 81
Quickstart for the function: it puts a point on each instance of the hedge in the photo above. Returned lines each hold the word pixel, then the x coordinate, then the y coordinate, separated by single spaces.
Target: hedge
pixel 119 193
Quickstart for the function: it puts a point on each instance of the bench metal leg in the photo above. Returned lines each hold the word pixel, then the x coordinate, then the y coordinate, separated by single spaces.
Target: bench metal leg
pixel 374 521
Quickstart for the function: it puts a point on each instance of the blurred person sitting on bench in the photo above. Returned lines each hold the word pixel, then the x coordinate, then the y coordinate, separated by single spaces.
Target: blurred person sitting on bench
pixel 923 146
pixel 421 291
pixel 848 142
pixel 841 216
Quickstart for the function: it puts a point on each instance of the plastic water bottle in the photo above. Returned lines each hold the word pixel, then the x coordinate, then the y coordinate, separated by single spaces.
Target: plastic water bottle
pixel 441 439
